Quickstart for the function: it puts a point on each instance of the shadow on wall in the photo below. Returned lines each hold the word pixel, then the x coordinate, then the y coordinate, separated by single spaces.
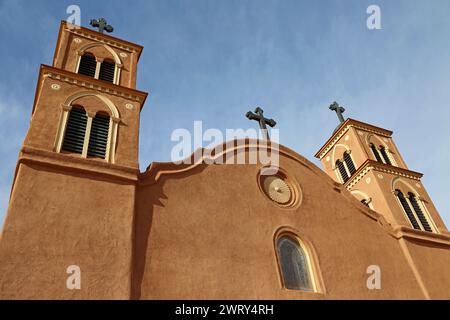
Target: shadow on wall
pixel 150 194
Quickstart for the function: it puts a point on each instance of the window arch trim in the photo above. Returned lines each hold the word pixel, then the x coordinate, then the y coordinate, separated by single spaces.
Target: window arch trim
pixel 113 126
pixel 115 56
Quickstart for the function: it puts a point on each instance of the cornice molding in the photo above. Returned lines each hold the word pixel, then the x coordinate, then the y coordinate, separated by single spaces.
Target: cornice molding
pixel 102 38
pixel 93 84
pixel 74 163
pixel 419 235
pixel 350 123
pixel 369 165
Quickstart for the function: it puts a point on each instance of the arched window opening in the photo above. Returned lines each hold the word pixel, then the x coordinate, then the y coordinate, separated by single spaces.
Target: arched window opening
pixel 407 208
pixel 342 170
pixel 88 65
pixel 98 139
pixel 386 158
pixel 376 153
pixel 423 220
pixel 107 71
pixel 75 130
pixel 365 202
pixel 349 162
pixel 294 265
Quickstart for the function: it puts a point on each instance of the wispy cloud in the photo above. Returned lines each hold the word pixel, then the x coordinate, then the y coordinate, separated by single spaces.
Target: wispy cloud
pixel 215 60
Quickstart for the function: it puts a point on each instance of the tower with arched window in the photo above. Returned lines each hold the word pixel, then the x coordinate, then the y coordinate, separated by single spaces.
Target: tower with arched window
pixel 79 159
pixel 366 160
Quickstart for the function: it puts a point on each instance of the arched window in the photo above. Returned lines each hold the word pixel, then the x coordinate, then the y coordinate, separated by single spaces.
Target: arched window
pixel 98 139
pixel 408 209
pixel 294 265
pixel 75 130
pixel 107 71
pixel 376 153
pixel 418 210
pixel 386 158
pixel 88 65
pixel 349 162
pixel 342 170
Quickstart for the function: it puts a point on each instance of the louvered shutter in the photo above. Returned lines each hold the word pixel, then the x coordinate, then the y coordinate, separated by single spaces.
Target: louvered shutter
pixel 349 162
pixel 88 65
pixel 342 170
pixel 98 139
pixel 75 131
pixel 376 153
pixel 419 212
pixel 385 155
pixel 408 210
pixel 107 70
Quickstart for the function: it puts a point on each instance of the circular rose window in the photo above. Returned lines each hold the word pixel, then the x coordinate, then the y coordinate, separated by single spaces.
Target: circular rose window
pixel 279 189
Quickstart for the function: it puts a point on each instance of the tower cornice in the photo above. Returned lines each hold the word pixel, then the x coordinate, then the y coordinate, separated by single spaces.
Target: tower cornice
pixel 88 83
pixel 370 165
pixel 343 128
pixel 99 37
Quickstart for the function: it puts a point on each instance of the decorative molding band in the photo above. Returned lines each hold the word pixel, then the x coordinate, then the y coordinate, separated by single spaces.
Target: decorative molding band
pixel 77 163
pixel 442 239
pixel 85 84
pixel 343 131
pixel 351 183
pixel 116 44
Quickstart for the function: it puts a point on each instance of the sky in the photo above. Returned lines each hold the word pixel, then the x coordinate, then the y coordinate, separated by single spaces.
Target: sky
pixel 215 60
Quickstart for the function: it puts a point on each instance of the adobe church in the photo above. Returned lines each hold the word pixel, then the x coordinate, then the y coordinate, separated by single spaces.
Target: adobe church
pixel 364 228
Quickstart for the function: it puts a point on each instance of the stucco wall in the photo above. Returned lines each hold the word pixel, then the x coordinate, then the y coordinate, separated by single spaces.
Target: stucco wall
pixel 59 218
pixel 209 233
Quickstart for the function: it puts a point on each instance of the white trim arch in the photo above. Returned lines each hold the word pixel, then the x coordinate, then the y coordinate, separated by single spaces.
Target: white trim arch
pixel 333 157
pixel 364 196
pixel 113 124
pixel 115 56
pixel 110 50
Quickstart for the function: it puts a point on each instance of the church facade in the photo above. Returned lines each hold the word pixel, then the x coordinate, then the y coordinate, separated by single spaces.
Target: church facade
pixel 84 223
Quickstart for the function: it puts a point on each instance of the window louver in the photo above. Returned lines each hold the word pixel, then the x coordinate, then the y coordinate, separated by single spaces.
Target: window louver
pixel 342 170
pixel 419 212
pixel 88 65
pixel 376 153
pixel 98 139
pixel 107 70
pixel 349 162
pixel 408 210
pixel 385 156
pixel 365 202
pixel 75 131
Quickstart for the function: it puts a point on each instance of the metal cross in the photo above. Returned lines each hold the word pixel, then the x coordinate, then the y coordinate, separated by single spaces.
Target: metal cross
pixel 339 111
pixel 258 116
pixel 102 25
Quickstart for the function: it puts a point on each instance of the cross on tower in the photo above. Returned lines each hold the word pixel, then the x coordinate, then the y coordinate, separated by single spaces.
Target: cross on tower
pixel 102 25
pixel 339 110
pixel 258 116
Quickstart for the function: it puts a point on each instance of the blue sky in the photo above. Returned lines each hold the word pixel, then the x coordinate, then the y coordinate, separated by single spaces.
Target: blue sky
pixel 215 60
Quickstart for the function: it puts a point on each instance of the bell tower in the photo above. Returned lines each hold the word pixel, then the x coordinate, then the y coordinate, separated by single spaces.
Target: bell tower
pixel 73 194
pixel 365 159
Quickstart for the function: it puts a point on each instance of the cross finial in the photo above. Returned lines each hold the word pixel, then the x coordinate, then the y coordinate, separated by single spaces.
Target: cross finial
pixel 102 25
pixel 258 116
pixel 339 110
